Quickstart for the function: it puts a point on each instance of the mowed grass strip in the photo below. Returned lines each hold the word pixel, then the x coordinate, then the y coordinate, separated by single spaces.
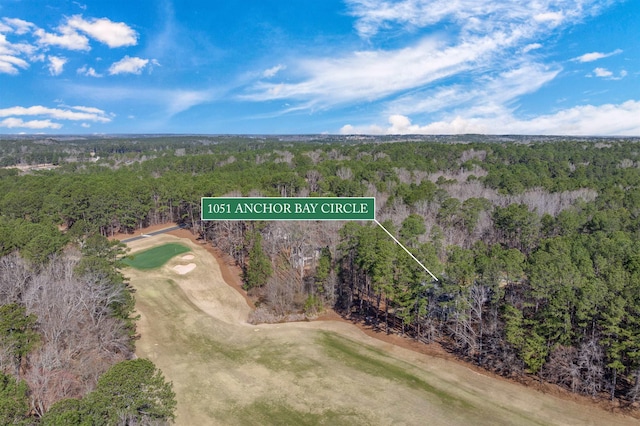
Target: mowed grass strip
pixel 368 360
pixel 156 256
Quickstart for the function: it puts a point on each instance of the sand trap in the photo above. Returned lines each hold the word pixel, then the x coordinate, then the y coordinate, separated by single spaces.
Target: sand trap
pixel 188 257
pixel 184 269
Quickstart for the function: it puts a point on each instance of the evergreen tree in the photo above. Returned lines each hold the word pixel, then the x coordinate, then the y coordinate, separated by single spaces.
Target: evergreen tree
pixel 131 392
pixel 14 405
pixel 259 269
pixel 18 333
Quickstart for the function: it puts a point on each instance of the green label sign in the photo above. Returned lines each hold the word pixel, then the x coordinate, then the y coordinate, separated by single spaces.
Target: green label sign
pixel 281 208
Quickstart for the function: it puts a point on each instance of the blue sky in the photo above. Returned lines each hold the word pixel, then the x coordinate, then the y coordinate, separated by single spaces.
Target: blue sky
pixel 568 67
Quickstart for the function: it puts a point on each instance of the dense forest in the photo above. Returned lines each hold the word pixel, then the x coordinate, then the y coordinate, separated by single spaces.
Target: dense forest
pixel 534 242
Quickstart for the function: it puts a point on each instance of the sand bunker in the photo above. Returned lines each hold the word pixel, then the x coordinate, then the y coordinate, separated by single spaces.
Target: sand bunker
pixel 184 269
pixel 188 257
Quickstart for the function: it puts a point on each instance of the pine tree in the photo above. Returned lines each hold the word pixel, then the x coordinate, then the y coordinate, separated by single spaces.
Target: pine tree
pixel 259 269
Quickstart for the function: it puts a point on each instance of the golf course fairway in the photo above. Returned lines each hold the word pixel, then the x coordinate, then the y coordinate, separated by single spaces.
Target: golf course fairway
pixel 228 372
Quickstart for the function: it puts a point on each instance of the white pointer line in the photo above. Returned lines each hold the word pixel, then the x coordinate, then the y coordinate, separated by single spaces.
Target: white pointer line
pixel 404 248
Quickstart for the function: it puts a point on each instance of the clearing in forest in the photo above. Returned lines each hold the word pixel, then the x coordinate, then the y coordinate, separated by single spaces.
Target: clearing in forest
pixel 228 372
pixel 155 257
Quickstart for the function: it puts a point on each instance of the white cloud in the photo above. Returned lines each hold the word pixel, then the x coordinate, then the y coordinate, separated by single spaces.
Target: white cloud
pixel 68 36
pixel 90 110
pixel 373 74
pixel 113 34
pixel 485 93
pixel 608 119
pixel 128 65
pixel 88 71
pixel 56 64
pixel 594 56
pixel 554 18
pixel 67 39
pixel 13 122
pixel 373 129
pixel 10 55
pixel 530 47
pixel 271 72
pixel 7 47
pixel 80 113
pixel 482 38
pixel 602 72
pixel 472 16
pixel 583 120
pixel 607 74
pixel 10 64
pixel 17 26
pixel 401 125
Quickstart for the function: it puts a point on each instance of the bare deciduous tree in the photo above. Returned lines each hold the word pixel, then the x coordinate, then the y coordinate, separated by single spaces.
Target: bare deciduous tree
pixel 15 276
pixel 313 178
pixel 80 337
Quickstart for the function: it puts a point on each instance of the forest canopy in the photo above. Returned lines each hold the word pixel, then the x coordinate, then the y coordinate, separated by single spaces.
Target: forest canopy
pixel 534 242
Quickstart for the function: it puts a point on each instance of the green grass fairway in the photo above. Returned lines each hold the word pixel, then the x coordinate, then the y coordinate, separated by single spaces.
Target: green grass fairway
pixel 155 257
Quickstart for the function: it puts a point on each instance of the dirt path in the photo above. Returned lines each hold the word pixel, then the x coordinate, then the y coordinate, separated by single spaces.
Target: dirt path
pixel 225 371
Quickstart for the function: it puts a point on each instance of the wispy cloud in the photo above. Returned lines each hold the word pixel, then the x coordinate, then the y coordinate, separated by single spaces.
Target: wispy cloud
pixel 594 56
pixel 373 74
pixel 271 72
pixel 169 101
pixel 472 16
pixel 182 100
pixel 483 36
pixel 485 93
pixel 530 47
pixel 80 5
pixel 89 110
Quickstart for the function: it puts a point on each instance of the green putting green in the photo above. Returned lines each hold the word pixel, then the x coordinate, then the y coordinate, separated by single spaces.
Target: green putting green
pixel 155 257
